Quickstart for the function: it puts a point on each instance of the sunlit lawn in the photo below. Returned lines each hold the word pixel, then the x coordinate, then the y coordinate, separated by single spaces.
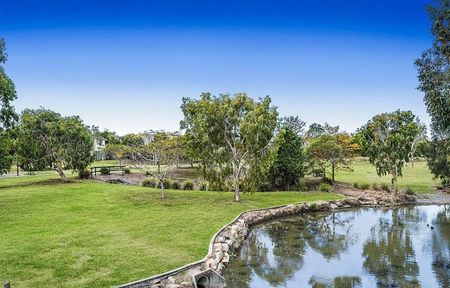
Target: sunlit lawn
pixel 89 234
pixel 417 176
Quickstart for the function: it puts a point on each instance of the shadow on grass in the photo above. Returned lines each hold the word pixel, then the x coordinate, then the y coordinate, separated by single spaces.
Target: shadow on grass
pixel 31 182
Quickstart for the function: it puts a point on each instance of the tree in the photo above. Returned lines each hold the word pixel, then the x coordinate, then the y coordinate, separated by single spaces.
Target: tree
pixel 315 130
pixel 227 133
pixel 47 139
pixel 7 114
pixel 387 140
pixel 294 123
pixel 287 167
pixel 166 155
pixel 433 69
pixel 334 151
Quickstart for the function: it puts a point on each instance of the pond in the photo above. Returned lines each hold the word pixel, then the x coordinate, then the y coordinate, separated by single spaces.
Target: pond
pixel 368 247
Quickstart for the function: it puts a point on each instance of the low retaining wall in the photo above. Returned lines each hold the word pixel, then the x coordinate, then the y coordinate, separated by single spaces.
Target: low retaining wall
pixel 228 239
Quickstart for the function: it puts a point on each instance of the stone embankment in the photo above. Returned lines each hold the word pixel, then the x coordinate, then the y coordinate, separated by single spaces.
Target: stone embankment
pixel 230 238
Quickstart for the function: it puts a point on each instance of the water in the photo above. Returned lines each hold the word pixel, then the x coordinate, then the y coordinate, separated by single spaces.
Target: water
pixel 402 247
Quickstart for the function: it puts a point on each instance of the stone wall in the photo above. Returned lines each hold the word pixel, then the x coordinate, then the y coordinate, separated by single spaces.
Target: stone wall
pixel 228 239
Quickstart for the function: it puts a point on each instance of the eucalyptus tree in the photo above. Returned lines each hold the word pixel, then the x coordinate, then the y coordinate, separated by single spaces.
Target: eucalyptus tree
pixel 227 133
pixel 7 114
pixel 388 139
pixel 48 140
pixel 433 69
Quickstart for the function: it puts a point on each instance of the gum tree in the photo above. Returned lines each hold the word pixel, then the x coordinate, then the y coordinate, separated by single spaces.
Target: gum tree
pixel 388 139
pixel 433 69
pixel 47 139
pixel 227 133
pixel 7 114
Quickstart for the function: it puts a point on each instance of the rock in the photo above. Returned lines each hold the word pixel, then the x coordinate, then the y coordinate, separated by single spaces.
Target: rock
pixel 333 206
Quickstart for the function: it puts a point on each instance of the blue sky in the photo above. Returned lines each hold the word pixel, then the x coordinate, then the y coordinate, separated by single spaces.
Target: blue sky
pixel 125 65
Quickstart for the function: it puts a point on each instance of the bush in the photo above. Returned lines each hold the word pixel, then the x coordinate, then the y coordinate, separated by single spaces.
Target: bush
pixel 301 186
pixel 356 185
pixel 150 182
pixel 325 187
pixel 376 187
pixel 203 186
pixel 188 185
pixel 175 185
pixel 84 174
pixel 364 186
pixel 167 183
pixel 410 191
pixel 327 180
pixel 385 187
pixel 147 173
pixel 104 171
pixel 127 171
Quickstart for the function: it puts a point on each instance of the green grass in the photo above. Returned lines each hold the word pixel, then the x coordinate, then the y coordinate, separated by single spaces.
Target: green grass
pixel 90 234
pixel 417 177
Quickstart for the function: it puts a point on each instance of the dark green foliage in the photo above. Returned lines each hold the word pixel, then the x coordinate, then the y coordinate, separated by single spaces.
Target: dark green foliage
pixel 104 171
pixel 410 191
pixel 175 185
pixel 167 183
pixel 127 171
pixel 48 140
pixel 84 174
pixel 356 185
pixel 203 186
pixel 7 93
pixel 439 160
pixel 385 187
pixel 287 167
pixel 188 185
pixel 8 116
pixel 364 186
pixel 150 182
pixel 325 187
pixel 388 139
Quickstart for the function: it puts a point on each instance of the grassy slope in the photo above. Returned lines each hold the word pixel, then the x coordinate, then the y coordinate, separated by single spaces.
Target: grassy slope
pixel 87 234
pixel 418 177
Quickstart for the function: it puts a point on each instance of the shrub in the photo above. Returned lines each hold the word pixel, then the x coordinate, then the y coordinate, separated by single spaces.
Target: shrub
pixel 325 187
pixel 410 191
pixel 364 186
pixel 301 186
pixel 175 185
pixel 203 186
pixel 376 187
pixel 104 171
pixel 84 174
pixel 150 182
pixel 356 185
pixel 327 180
pixel 188 185
pixel 385 187
pixel 147 173
pixel 167 183
pixel 127 171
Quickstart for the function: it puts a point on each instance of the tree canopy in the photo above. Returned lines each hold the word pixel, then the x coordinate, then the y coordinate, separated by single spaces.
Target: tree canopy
pixel 388 141
pixel 47 139
pixel 227 133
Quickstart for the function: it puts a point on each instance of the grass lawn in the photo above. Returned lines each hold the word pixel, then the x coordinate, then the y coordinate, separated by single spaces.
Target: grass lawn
pixel 89 234
pixel 418 177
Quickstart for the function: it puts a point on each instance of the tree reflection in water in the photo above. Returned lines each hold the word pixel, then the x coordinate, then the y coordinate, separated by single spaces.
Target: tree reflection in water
pixel 341 282
pixel 441 247
pixel 349 249
pixel 275 251
pixel 389 252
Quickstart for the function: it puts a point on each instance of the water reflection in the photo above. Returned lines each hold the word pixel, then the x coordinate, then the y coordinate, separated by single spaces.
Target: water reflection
pixel 360 248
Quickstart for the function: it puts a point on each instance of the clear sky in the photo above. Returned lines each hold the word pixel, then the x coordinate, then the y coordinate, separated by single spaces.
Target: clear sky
pixel 125 65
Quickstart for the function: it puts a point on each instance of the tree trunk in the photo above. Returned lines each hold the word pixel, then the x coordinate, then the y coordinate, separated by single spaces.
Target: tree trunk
pixel 332 171
pixel 237 195
pixel 162 190
pixel 394 183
